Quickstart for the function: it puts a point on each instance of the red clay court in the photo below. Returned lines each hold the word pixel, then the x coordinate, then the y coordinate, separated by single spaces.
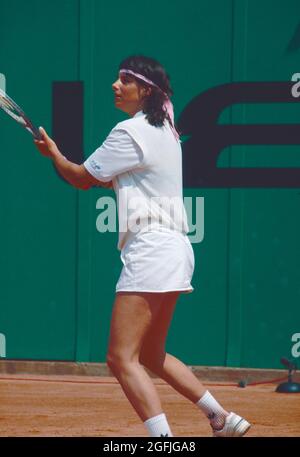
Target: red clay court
pixel 91 406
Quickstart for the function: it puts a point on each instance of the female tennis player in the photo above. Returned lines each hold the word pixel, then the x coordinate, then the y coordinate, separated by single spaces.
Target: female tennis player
pixel 141 160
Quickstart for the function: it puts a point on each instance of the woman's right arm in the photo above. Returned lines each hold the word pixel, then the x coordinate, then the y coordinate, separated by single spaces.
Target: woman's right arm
pixel 75 174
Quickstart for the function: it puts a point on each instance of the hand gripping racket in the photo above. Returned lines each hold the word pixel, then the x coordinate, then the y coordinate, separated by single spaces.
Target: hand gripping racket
pixel 11 108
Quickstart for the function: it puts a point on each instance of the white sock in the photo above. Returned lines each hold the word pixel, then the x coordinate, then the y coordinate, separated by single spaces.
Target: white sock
pixel 158 426
pixel 213 410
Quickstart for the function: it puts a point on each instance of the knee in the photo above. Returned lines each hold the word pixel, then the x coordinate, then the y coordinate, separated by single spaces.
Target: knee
pixel 114 361
pixel 118 362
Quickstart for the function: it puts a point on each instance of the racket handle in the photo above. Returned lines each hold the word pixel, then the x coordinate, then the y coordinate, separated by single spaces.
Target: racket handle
pixel 35 132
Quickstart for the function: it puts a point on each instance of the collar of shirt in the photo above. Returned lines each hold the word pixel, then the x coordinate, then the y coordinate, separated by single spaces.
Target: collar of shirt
pixel 138 114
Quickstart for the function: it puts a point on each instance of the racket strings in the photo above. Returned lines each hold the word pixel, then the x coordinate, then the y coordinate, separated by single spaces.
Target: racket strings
pixel 13 110
pixel 9 110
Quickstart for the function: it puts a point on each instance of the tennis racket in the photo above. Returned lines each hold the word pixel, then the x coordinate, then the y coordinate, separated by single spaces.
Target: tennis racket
pixel 11 108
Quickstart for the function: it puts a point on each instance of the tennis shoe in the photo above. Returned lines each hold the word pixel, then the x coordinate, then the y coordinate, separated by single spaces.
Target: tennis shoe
pixel 234 426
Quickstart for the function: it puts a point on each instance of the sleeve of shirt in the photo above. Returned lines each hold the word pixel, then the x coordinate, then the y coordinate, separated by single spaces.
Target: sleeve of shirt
pixel 119 153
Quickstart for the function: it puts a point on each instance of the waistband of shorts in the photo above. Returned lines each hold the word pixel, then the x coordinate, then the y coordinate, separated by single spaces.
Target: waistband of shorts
pixel 152 229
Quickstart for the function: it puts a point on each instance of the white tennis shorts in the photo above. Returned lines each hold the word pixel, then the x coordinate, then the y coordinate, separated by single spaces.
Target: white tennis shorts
pixel 157 261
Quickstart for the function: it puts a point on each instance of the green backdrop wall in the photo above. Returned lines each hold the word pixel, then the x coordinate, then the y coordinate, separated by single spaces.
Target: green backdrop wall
pixel 58 273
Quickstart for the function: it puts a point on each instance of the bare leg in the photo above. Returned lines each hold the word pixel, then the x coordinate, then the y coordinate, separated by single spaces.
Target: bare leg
pixel 164 365
pixel 132 316
pixel 178 375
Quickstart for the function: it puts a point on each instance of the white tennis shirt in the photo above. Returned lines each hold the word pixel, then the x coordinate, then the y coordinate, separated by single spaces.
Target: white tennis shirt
pixel 144 163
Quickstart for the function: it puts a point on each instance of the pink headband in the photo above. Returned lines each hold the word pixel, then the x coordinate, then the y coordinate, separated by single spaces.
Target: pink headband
pixel 168 105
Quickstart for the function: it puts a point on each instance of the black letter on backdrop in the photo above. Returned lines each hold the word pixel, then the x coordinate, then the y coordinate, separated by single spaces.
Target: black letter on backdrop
pixel 207 139
pixel 67 118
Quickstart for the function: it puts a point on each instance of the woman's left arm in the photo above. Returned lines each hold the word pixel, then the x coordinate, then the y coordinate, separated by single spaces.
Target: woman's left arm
pixel 76 175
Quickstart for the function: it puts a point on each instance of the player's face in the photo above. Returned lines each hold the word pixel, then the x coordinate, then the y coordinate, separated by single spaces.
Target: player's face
pixel 129 95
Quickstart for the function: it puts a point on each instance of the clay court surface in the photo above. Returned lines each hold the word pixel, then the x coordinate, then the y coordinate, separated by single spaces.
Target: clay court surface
pixel 63 406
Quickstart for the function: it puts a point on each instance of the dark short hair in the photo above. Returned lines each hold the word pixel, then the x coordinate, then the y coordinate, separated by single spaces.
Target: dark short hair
pixel 153 70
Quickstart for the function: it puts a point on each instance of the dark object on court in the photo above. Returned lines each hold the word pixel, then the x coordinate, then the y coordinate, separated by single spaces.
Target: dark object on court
pixel 289 387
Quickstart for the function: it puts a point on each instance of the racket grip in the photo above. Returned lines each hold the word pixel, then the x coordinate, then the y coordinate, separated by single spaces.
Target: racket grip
pixel 36 133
